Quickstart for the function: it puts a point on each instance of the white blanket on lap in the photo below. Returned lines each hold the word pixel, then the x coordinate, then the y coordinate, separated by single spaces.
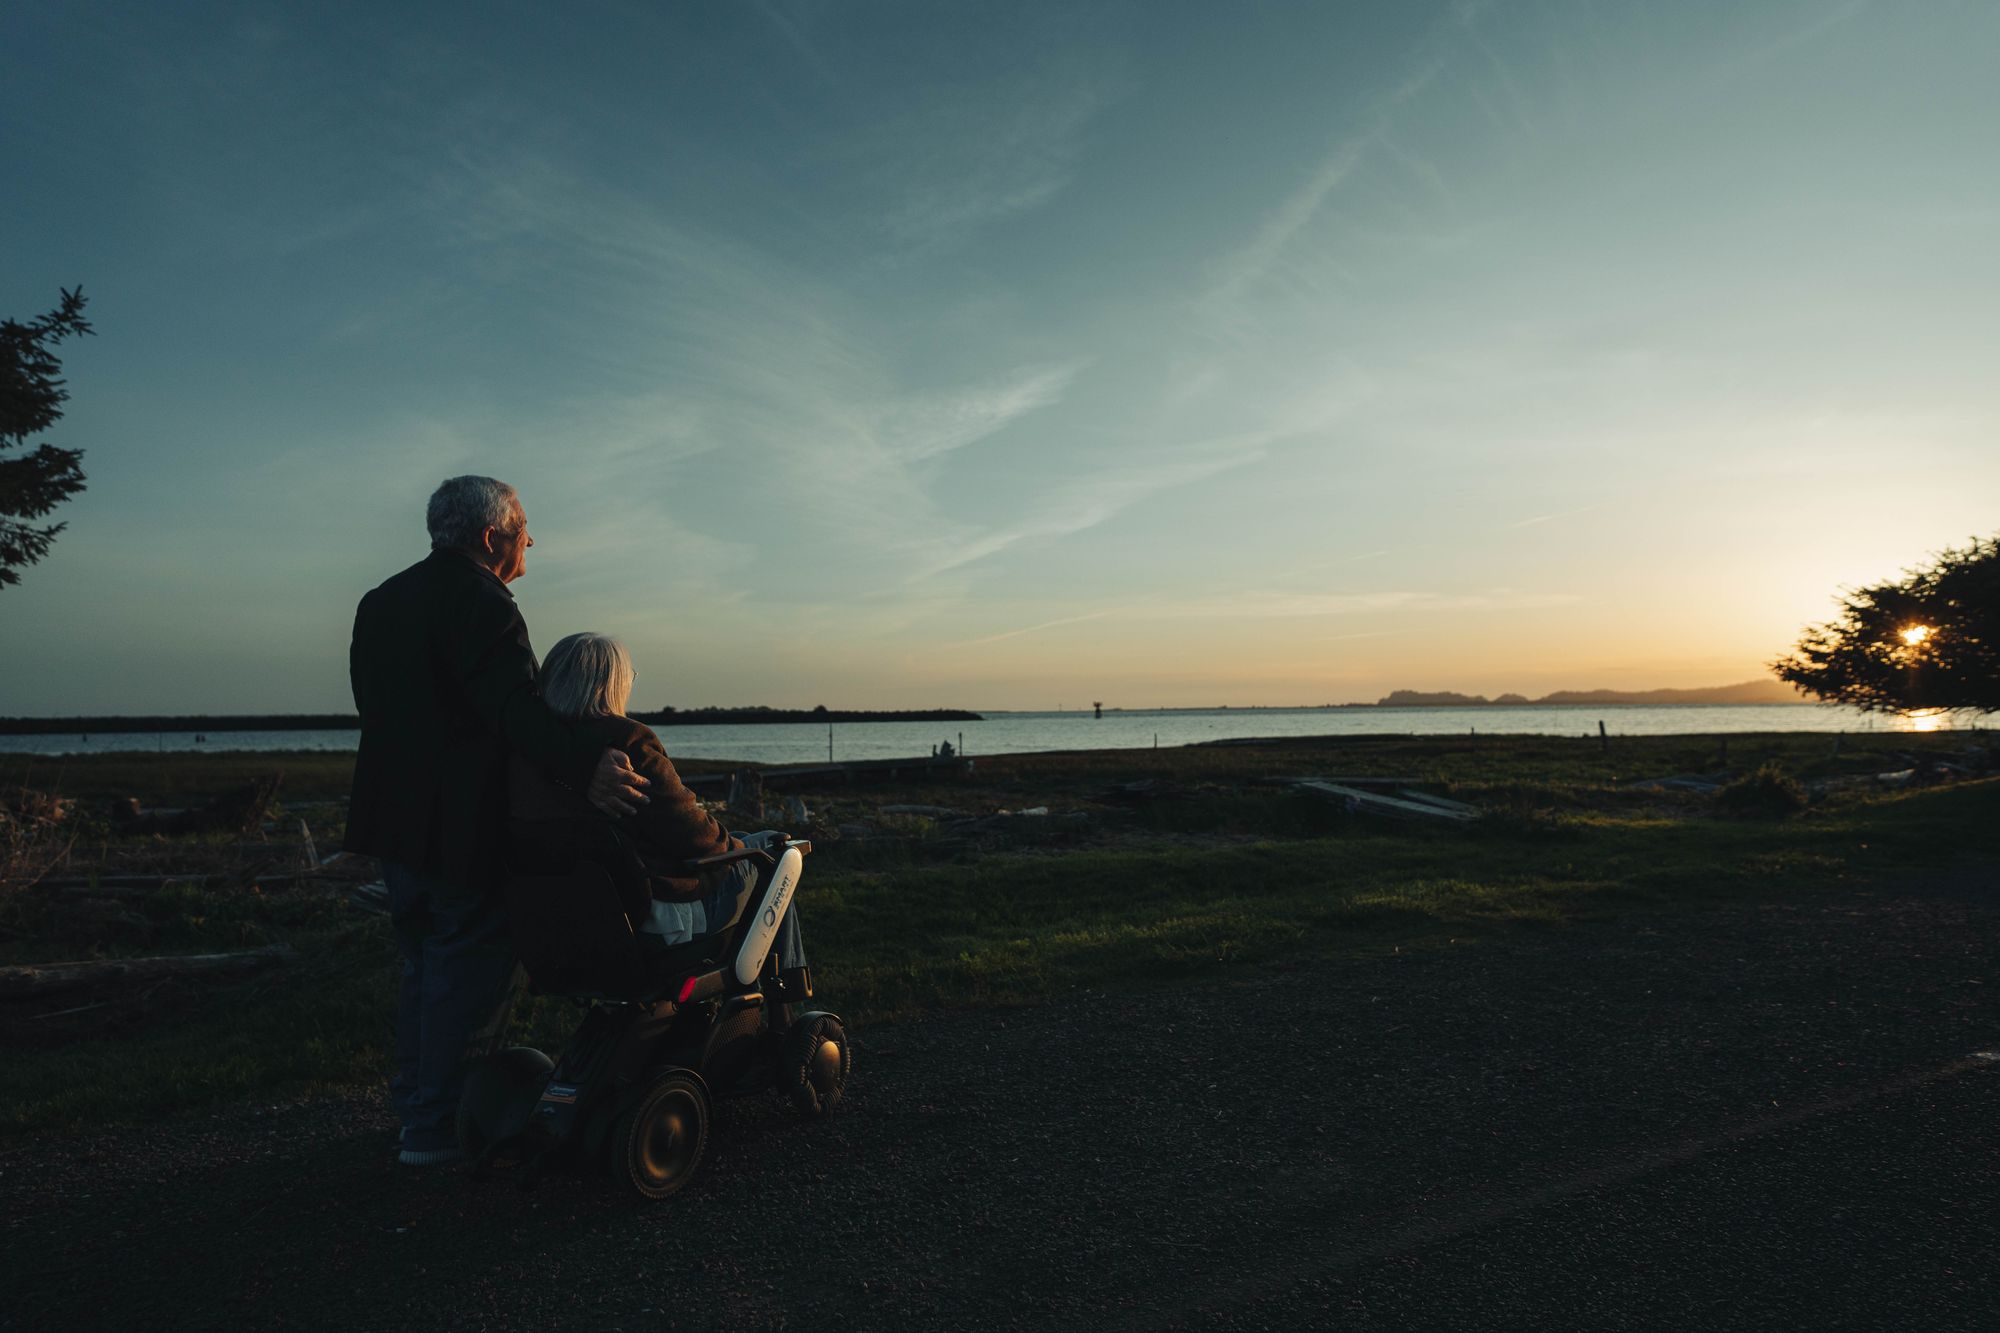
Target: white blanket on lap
pixel 677 923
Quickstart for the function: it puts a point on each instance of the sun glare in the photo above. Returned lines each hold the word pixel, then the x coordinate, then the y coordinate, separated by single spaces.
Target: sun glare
pixel 1916 634
pixel 1928 720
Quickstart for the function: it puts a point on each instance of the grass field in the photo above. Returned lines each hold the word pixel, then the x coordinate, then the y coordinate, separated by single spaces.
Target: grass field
pixel 1212 869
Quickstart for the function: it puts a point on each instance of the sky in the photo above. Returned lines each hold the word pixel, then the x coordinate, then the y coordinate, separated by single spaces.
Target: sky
pixel 1006 355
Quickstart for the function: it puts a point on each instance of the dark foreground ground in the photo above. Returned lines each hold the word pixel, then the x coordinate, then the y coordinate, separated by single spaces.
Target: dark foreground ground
pixel 1767 1115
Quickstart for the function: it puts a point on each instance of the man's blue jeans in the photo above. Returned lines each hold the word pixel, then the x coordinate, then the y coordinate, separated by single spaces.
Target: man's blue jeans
pixel 459 979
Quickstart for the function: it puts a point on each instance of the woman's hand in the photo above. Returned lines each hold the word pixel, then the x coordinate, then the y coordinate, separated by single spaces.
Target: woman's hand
pixel 616 787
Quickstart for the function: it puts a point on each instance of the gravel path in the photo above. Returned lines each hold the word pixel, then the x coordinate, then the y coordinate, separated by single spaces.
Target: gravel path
pixel 1760 1115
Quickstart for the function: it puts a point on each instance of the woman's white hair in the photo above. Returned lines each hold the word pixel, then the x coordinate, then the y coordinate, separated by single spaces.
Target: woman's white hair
pixel 588 675
pixel 461 508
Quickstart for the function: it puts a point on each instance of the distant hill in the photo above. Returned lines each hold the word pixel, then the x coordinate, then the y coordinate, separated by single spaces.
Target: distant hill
pixel 1748 692
pixel 1431 699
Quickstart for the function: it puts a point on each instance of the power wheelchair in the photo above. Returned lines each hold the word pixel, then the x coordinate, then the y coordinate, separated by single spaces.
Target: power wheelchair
pixel 666 1030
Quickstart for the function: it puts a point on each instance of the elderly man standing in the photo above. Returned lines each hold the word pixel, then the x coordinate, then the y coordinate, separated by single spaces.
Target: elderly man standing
pixel 444 679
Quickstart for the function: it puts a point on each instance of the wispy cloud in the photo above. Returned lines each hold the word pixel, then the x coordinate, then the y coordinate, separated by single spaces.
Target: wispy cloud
pixel 1251 261
pixel 1273 605
pixel 697 346
pixel 1278 605
pixel 961 159
pixel 1364 634
pixel 794 36
pixel 1820 20
pixel 1153 455
pixel 1113 486
pixel 927 425
pixel 1362 136
pixel 1561 514
pixel 1515 113
pixel 722 360
pixel 1030 629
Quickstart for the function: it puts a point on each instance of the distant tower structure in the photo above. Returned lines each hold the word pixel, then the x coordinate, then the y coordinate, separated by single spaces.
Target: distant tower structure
pixel 1098 705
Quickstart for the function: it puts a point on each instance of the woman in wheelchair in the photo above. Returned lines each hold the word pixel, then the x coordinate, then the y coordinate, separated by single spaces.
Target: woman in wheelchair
pixel 689 992
pixel 661 903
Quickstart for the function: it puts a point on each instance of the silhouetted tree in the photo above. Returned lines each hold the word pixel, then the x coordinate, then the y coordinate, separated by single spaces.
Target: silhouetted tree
pixel 31 399
pixel 1930 641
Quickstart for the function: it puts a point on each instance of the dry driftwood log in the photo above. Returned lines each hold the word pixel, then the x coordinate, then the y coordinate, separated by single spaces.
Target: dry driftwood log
pixel 39 979
pixel 138 886
pixel 1442 802
pixel 90 893
pixel 239 811
pixel 1395 807
pixel 1342 781
pixel 1142 791
pixel 126 886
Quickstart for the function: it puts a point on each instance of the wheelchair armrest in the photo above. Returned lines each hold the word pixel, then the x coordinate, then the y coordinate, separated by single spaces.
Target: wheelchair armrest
pixel 731 858
pixel 769 858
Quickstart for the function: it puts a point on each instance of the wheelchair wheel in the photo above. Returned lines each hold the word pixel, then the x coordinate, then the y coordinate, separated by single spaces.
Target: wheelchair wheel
pixel 657 1143
pixel 817 1060
pixel 499 1091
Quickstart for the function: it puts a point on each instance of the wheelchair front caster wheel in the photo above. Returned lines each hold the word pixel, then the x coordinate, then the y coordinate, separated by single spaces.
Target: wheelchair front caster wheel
pixel 817 1060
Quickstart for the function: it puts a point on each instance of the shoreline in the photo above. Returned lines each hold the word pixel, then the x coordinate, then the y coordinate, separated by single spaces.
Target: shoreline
pixel 147 725
pixel 325 775
pixel 151 744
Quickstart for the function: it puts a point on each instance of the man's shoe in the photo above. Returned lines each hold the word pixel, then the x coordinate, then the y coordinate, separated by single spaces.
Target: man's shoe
pixel 432 1157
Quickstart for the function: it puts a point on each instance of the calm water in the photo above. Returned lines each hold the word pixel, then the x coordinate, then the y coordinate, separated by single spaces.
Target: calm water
pixel 1014 733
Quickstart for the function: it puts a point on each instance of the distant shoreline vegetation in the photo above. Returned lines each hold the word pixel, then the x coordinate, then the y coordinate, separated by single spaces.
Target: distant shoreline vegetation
pixel 736 717
pixel 666 717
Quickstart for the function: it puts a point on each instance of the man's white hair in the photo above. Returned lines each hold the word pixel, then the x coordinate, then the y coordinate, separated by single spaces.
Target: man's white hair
pixel 588 675
pixel 462 508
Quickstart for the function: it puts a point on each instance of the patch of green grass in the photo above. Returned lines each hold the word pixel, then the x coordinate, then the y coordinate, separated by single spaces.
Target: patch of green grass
pixel 188 778
pixel 322 1020
pixel 903 931
pixel 1475 762
pixel 1767 793
pixel 181 778
pixel 1015 928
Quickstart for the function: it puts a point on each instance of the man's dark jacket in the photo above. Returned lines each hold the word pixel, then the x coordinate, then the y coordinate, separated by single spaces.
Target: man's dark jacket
pixel 445 682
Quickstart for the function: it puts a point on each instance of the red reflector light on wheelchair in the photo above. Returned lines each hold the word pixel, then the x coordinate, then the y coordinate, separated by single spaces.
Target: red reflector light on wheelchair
pixel 687 989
